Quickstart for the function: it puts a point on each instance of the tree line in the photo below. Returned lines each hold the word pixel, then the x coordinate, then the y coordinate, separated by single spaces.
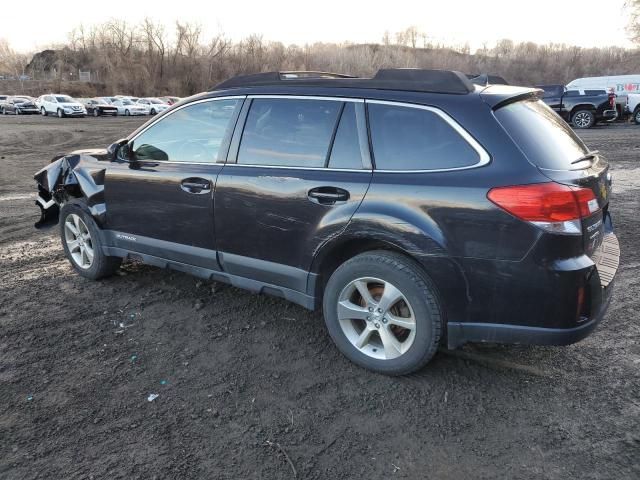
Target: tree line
pixel 149 59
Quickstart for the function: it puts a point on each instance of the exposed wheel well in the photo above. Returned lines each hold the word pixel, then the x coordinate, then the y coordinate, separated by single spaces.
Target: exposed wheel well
pixel 338 254
pixel 582 107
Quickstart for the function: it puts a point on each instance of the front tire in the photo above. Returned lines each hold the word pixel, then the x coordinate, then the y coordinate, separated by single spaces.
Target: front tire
pixel 96 113
pixel 82 246
pixel 153 112
pixel 583 119
pixel 636 116
pixel 60 113
pixel 383 313
pixel 127 113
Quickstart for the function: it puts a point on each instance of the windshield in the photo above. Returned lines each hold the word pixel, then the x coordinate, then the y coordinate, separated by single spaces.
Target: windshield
pixel 126 102
pixel 21 99
pixel 545 139
pixel 156 101
pixel 64 99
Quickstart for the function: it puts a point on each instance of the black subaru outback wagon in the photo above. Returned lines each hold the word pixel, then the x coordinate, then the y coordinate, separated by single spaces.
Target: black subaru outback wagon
pixel 415 208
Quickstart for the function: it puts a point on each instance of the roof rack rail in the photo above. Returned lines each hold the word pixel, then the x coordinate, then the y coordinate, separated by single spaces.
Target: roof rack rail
pixel 412 79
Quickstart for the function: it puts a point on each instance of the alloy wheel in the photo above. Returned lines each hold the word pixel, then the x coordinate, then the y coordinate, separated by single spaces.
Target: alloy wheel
pixel 376 318
pixel 582 119
pixel 79 241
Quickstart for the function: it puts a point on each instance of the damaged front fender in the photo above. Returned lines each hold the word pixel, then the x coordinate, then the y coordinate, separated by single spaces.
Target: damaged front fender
pixel 79 175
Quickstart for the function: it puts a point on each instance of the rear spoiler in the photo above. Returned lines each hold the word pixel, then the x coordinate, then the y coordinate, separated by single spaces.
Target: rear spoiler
pixel 497 96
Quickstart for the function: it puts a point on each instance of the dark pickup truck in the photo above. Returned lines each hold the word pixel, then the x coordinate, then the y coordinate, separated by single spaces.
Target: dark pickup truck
pixel 580 109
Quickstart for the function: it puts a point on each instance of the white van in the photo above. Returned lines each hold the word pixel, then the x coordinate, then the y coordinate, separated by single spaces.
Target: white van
pixel 620 84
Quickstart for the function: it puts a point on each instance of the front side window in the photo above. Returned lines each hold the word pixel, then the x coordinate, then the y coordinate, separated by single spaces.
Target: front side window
pixel 288 132
pixel 409 138
pixel 193 134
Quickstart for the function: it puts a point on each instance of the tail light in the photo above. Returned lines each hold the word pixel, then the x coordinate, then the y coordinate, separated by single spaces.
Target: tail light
pixel 551 206
pixel 612 100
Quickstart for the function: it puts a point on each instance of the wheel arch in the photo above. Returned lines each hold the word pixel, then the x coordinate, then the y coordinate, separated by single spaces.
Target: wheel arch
pixel 582 106
pixel 444 271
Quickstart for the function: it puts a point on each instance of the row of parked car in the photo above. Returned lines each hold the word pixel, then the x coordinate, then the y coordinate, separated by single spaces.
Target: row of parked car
pixel 65 106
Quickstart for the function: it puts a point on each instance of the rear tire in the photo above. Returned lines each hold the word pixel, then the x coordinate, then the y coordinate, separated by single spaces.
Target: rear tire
pixel 636 116
pixel 394 327
pixel 127 113
pixel 43 111
pixel 583 119
pixel 82 246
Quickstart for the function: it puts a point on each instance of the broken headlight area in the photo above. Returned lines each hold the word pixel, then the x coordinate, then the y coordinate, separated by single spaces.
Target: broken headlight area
pixel 49 209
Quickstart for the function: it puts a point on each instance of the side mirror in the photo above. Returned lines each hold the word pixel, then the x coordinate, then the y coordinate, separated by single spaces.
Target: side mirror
pixel 114 149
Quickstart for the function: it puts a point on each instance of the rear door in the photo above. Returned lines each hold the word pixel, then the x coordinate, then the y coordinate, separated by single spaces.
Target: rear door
pixel 160 202
pixel 297 172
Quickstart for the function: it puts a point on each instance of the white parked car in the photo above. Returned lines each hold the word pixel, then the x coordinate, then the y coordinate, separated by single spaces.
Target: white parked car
pixel 126 107
pixel 60 105
pixel 633 106
pixel 128 97
pixel 155 105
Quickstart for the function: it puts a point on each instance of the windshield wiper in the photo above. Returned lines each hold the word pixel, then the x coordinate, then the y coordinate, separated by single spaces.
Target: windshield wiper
pixel 587 156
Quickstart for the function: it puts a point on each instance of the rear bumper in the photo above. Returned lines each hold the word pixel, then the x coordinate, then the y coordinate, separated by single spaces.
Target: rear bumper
pixel 605 260
pixel 461 333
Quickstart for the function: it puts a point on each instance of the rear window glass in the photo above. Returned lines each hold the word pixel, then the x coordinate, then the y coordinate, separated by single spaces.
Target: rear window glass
pixel 408 138
pixel 545 139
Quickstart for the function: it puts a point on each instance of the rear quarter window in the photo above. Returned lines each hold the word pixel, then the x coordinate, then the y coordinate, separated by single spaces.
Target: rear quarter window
pixel 413 138
pixel 544 138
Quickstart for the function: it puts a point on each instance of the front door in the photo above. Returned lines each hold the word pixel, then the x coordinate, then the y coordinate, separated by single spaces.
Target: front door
pixel 301 170
pixel 159 196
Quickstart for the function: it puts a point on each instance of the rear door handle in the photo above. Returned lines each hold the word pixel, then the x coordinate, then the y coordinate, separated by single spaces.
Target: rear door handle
pixel 195 185
pixel 328 195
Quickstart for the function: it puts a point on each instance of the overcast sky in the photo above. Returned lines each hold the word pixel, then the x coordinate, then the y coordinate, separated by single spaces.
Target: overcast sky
pixel 30 25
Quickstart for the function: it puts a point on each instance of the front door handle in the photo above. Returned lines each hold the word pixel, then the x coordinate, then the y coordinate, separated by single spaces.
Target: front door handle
pixel 328 195
pixel 195 185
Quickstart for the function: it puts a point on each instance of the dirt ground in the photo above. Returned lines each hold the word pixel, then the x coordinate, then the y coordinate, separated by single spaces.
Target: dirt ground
pixel 251 387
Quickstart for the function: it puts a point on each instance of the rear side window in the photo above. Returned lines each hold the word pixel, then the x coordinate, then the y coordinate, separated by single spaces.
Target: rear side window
pixel 345 152
pixel 288 132
pixel 408 138
pixel 544 138
pixel 193 134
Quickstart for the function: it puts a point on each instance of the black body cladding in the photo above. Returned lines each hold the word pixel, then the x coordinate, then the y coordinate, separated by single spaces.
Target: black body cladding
pixel 283 228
